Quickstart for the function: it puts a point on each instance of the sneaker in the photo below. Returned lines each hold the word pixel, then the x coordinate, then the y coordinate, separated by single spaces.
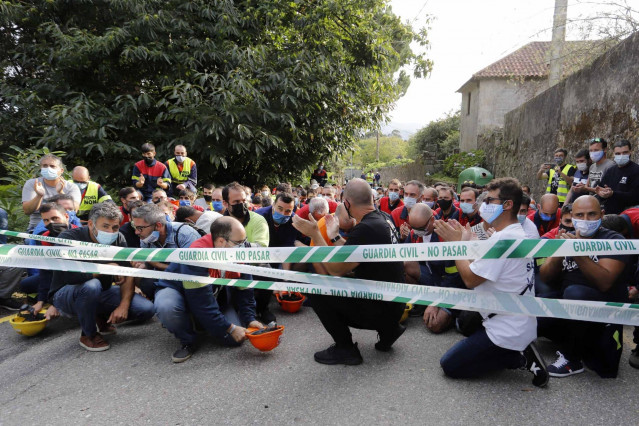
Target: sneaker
pixel 564 367
pixel 95 343
pixel 386 340
pixel 10 304
pixel 634 357
pixel 182 354
pixel 104 328
pixel 339 355
pixel 267 316
pixel 536 365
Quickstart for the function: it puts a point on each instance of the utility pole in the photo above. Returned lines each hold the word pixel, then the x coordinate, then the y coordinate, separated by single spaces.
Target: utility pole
pixel 557 43
pixel 377 145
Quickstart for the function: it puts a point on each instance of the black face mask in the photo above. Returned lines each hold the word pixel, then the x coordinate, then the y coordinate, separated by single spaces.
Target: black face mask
pixel 445 204
pixel 208 198
pixel 148 161
pixel 239 211
pixel 348 211
pixel 567 228
pixel 56 228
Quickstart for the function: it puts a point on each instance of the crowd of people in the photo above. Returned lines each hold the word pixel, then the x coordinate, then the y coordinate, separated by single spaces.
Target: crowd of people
pixel 593 199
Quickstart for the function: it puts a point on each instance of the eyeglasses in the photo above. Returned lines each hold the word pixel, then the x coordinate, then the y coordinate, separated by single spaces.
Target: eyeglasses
pixel 489 200
pixel 238 243
pixel 142 228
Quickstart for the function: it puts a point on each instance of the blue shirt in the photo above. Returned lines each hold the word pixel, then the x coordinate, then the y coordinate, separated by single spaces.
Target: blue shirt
pixel 185 236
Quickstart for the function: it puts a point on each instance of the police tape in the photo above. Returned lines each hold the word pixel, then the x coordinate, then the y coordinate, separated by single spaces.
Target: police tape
pixel 487 249
pixel 472 300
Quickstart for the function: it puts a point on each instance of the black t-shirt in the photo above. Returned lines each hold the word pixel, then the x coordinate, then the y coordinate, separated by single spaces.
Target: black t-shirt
pixel 376 228
pixel 572 275
pixel 556 177
pixel 624 182
pixel 62 278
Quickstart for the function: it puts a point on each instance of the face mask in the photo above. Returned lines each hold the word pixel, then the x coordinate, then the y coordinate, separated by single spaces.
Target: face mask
pixel 319 196
pixel 185 202
pixel 148 161
pixel 280 218
pixel 430 204
pixel 239 211
pixel 81 185
pixel 567 228
pixel 420 232
pixel 106 238
pixel 179 158
pixel 409 202
pixel 344 234
pixel 264 193
pixel 582 166
pixel 559 160
pixel 56 228
pixel 490 212
pixel 596 155
pixel 297 202
pixel 521 218
pixel 467 208
pixel 547 217
pixel 622 160
pixel 153 237
pixel 586 228
pixel 208 198
pixel 169 218
pixel 218 206
pixel 445 204
pixel 393 196
pixel 48 173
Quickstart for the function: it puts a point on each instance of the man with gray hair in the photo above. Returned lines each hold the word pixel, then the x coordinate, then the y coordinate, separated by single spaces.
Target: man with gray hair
pixel 92 297
pixel 318 208
pixel 150 224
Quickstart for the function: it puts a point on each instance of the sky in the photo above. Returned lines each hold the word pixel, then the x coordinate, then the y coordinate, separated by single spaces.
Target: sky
pixel 466 36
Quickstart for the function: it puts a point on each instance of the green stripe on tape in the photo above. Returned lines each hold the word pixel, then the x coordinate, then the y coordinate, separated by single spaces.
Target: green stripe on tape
pixel 343 253
pixel 549 248
pixel 320 253
pixel 264 285
pixel 123 254
pixel 399 299
pixel 445 305
pixel 498 249
pixel 162 255
pixel 619 305
pixel 6 249
pixel 523 249
pixel 143 254
pixel 298 254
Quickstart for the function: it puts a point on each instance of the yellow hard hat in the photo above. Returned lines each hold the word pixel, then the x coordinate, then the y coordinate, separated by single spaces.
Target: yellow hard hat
pixel 27 328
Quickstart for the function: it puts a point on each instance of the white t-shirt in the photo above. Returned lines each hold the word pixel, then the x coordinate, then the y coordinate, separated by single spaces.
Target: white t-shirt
pixel 597 171
pixel 530 229
pixel 28 194
pixel 202 203
pixel 205 221
pixel 513 332
pixel 479 231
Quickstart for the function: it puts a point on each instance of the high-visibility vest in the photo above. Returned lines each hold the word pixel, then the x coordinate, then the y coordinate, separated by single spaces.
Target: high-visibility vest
pixel 563 188
pixel 180 176
pixel 369 178
pixel 90 198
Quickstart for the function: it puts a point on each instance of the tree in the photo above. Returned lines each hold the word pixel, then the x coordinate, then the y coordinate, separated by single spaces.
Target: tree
pixel 390 147
pixel 439 138
pixel 255 90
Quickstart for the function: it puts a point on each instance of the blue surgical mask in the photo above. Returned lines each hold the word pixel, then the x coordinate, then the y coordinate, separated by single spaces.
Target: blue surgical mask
pixel 185 203
pixel 521 218
pixel 217 206
pixel 547 217
pixel 559 160
pixel 622 160
pixel 586 228
pixel 409 202
pixel 153 237
pixel 279 218
pixel 106 238
pixel 490 212
pixel 48 173
pixel 393 196
pixel 430 204
pixel 596 155
pixel 467 208
pixel 81 185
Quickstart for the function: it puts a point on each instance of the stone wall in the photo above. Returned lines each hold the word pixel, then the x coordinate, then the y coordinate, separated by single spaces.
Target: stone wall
pixel 416 170
pixel 601 100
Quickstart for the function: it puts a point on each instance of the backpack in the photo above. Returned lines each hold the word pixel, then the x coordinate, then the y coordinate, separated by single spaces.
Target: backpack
pixel 177 232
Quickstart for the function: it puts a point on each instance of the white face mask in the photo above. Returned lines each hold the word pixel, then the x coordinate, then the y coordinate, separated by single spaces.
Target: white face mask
pixel 490 212
pixel 582 166
pixel 179 158
pixel 622 160
pixel 409 202
pixel 586 228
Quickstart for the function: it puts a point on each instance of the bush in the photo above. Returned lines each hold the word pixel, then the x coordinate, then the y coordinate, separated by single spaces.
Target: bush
pixel 456 163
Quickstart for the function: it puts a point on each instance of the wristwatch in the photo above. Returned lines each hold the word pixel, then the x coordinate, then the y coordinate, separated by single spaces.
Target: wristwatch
pixel 336 239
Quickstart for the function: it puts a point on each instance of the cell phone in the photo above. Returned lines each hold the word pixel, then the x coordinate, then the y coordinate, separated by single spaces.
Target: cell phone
pixel 549 164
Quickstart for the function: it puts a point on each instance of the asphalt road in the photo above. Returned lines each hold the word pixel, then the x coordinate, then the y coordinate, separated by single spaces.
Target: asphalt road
pixel 50 379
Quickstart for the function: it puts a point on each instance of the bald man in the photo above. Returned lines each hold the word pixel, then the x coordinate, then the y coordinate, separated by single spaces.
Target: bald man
pixel 421 222
pixel 91 192
pixel 548 216
pixel 600 277
pixel 337 314
pixel 183 172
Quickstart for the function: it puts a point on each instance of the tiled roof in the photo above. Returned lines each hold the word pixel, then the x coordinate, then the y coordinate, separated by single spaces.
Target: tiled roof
pixel 533 60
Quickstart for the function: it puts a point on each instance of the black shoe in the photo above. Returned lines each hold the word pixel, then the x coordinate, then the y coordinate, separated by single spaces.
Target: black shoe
pixel 536 365
pixel 10 304
pixel 386 340
pixel 634 357
pixel 417 311
pixel 267 316
pixel 339 355
pixel 182 354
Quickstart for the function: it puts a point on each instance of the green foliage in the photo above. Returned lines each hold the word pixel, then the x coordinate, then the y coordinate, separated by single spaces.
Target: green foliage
pixel 439 137
pixel 456 163
pixel 390 148
pixel 255 90
pixel 392 163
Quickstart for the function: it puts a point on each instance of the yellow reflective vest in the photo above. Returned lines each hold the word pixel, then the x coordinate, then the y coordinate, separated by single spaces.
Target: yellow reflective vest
pixel 178 176
pixel 90 198
pixel 563 187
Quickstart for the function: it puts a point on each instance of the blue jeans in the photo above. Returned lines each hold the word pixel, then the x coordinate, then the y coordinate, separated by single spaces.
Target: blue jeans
pixel 171 309
pixel 477 355
pixel 4 225
pixel 88 301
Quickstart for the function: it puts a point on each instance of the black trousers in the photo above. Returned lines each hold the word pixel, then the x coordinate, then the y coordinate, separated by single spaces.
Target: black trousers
pixel 337 314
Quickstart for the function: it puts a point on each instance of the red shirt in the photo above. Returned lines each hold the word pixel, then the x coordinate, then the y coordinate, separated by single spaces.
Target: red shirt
pixel 126 216
pixel 543 227
pixel 207 242
pixel 303 212
pixel 551 235
pixel 633 216
pixel 384 205
pixel 400 217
